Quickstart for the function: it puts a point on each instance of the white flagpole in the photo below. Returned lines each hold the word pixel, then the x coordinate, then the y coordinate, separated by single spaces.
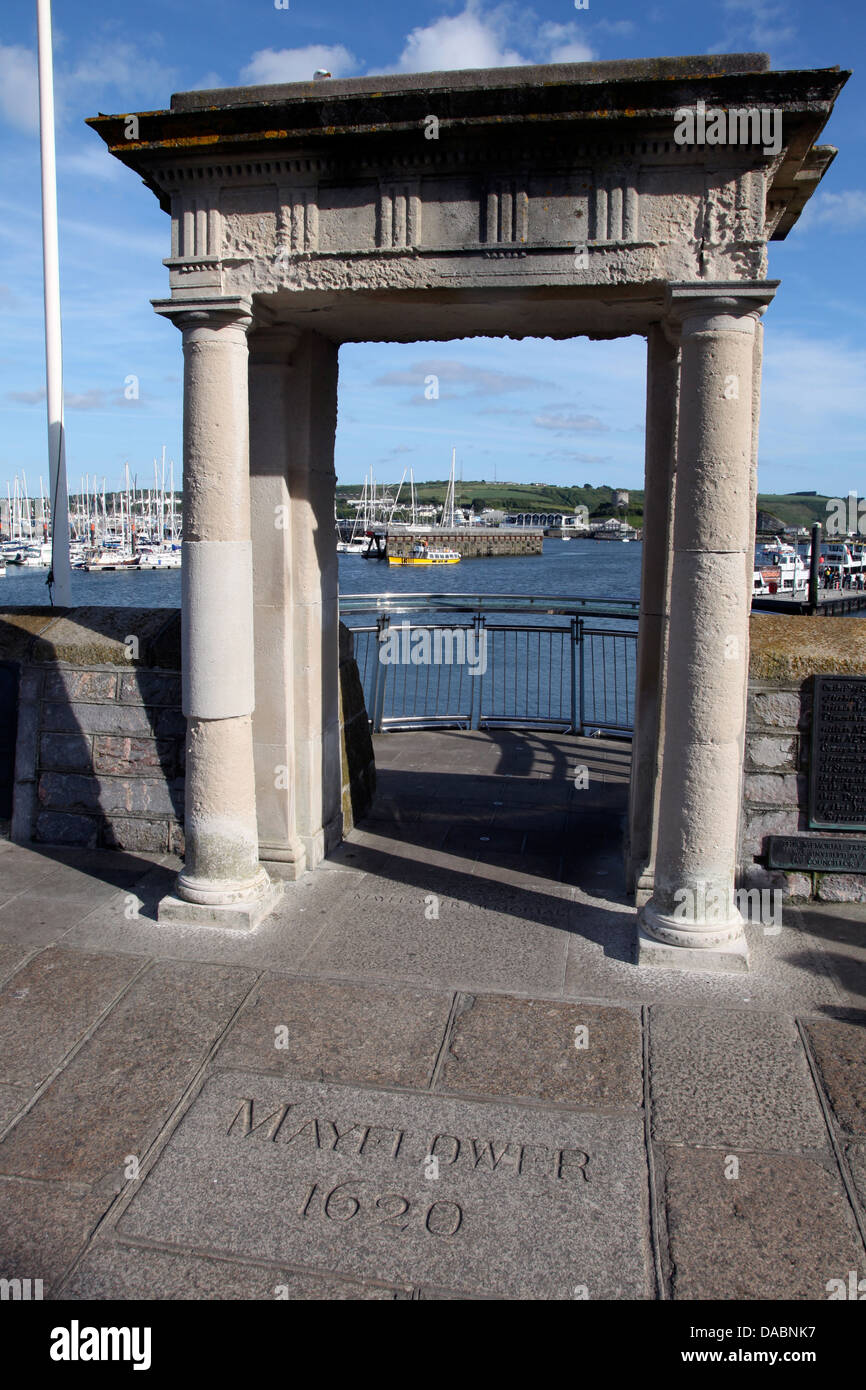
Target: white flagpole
pixel 61 570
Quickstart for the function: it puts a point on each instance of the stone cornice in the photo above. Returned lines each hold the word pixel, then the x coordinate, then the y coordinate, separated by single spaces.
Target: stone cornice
pixel 588 110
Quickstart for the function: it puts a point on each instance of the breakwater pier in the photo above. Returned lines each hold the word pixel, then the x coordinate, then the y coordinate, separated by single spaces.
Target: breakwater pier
pixel 471 542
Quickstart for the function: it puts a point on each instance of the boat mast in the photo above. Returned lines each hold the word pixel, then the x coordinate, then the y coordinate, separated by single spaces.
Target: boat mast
pixel 396 499
pixel 448 509
pixel 60 574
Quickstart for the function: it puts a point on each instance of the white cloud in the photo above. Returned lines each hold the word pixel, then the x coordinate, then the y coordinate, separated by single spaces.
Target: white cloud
pixel 564 424
pixel 210 82
pixel 619 27
pixel 842 211
pixel 19 87
pixel 560 43
pixel 468 40
pixel 271 65
pixel 479 381
pixel 103 66
pixel 123 66
pixel 761 24
pixel 26 397
pixel 91 161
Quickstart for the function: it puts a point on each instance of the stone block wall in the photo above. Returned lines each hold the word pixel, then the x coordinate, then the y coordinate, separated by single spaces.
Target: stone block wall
pixel 99 758
pixel 473 542
pixel 99 761
pixel 786 655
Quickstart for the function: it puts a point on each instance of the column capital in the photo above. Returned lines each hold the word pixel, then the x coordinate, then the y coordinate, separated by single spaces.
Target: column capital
pixel 212 312
pixel 717 299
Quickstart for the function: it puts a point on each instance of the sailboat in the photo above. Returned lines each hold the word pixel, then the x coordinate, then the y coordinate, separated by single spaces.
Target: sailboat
pixel 356 543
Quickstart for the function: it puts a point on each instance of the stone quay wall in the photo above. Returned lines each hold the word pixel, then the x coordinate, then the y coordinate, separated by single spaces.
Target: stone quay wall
pixel 99 756
pixel 472 542
pixel 786 655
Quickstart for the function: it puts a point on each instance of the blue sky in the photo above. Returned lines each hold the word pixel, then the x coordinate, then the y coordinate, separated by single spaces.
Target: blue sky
pixel 538 410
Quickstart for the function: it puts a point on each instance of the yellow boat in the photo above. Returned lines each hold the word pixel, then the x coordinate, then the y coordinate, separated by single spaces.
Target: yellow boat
pixel 422 555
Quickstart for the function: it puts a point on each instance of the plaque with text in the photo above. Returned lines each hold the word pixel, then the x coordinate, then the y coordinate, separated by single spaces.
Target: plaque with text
pixel 837 776
pixel 821 853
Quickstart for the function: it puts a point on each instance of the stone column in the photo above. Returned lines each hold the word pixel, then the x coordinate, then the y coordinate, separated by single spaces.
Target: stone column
pixel 661 422
pixel 312 413
pixel 222 882
pixel 272 422
pixel 692 920
pixel 293 403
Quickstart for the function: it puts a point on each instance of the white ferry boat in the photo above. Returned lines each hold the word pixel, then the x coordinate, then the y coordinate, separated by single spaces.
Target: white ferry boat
pixel 842 556
pixel 784 570
pixel 424 555
pixel 152 558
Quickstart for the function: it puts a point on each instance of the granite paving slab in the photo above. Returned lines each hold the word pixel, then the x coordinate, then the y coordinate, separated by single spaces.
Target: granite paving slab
pixel 519 1202
pixel 573 1054
pixel 475 949
pixel 781 1229
pixel 12 953
pixel 731 1077
pixel 110 1100
pixel 47 1005
pixel 12 1099
pixel 329 1031
pixel 136 1273
pixel 840 1051
pixel 43 1226
pixel 856 1157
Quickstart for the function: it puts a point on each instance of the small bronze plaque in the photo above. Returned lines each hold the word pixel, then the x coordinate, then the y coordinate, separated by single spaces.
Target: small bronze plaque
pixel 822 853
pixel 837 776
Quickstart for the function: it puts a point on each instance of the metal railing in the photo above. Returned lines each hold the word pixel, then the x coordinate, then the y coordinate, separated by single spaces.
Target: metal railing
pixel 571 677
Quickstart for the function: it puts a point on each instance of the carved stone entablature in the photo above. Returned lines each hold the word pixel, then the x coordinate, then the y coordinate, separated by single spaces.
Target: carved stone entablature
pixel 567 175
pixel 615 206
pixel 505 212
pixel 297 227
pixel 398 213
pixel 199 274
pixel 196 228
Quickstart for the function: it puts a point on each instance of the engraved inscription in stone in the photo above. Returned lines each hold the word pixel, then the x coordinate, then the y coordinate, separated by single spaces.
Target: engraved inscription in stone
pixel 408 1188
pixel 823 854
pixel 837 782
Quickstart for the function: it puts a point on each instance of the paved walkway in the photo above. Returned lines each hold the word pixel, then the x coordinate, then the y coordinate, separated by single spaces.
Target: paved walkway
pixel 434 1073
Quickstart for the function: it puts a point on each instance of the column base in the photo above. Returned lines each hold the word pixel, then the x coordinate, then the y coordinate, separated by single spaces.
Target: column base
pixel 237 916
pixel 644 886
pixel 289 861
pixel 731 956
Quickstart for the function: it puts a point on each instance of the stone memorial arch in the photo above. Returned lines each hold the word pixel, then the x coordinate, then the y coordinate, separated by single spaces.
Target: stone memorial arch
pixel 547 202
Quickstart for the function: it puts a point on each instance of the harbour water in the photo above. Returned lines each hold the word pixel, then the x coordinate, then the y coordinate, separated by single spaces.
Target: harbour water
pixel 579 568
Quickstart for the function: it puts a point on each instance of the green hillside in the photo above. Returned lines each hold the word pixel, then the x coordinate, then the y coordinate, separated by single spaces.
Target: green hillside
pixel 511 497
pixel 792 508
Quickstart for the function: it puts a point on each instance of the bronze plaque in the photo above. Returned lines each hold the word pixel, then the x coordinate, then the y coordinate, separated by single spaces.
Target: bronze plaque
pixel 837 776
pixel 823 853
